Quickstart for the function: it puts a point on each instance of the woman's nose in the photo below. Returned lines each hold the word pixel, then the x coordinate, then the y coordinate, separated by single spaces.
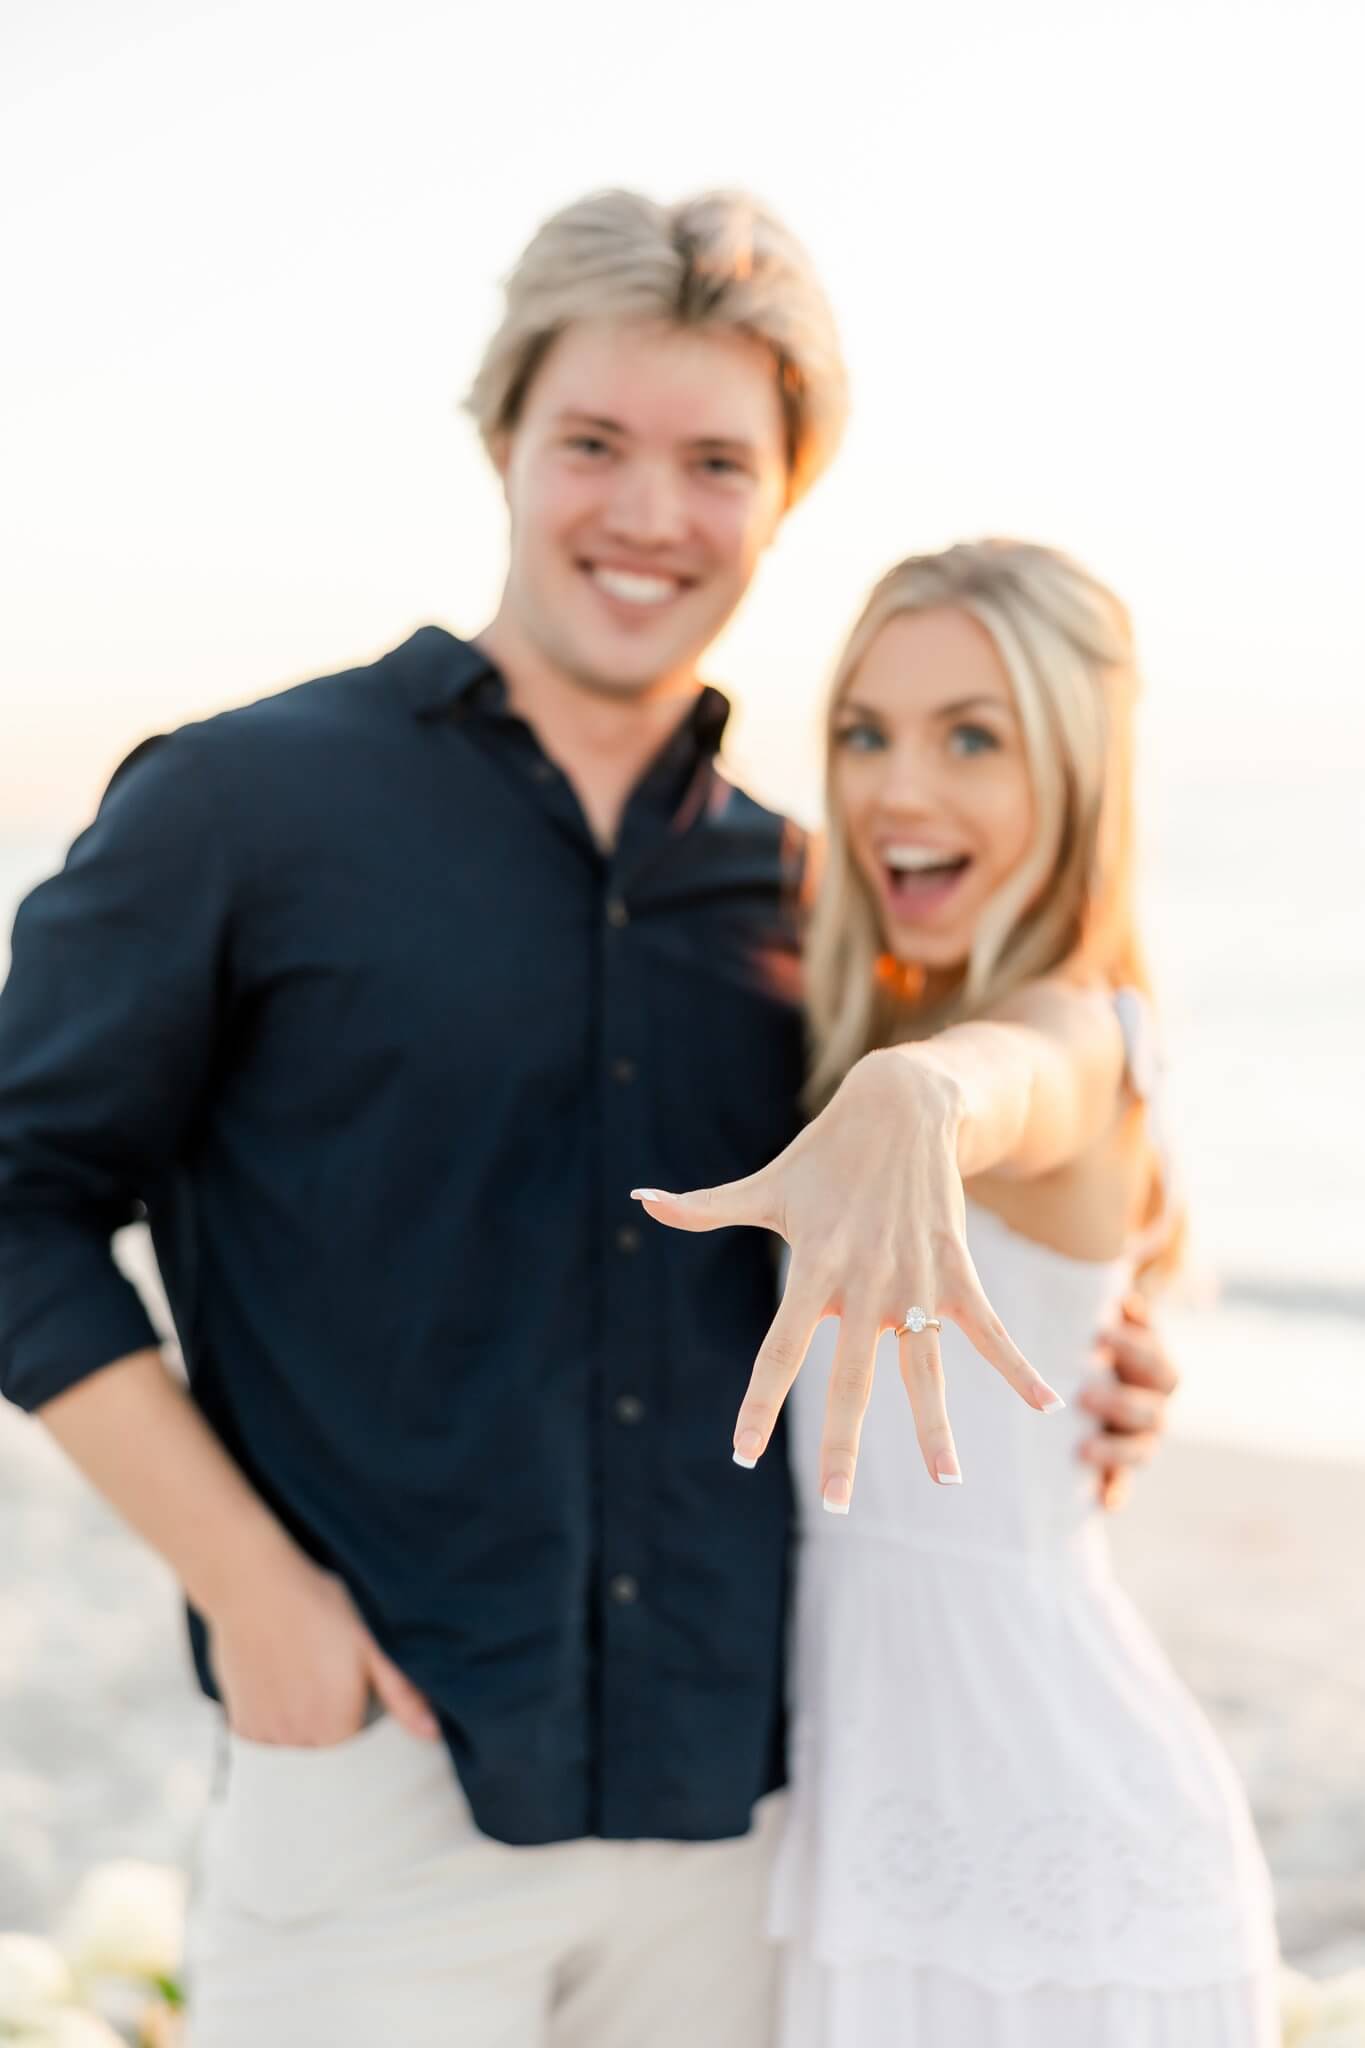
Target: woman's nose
pixel 908 786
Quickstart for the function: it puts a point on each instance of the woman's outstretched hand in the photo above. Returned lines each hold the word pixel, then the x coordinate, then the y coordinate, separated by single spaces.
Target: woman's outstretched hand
pixel 869 1197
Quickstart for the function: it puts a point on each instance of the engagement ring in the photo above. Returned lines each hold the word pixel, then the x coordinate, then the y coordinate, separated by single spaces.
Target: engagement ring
pixel 917 1320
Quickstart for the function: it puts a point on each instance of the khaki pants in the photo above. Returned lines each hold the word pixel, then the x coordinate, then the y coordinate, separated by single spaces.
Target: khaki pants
pixel 345 1900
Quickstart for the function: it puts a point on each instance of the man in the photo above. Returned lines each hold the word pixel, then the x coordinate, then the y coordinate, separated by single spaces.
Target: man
pixel 378 998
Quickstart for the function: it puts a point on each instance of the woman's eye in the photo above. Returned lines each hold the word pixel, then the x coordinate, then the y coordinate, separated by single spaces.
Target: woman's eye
pixel 860 739
pixel 723 466
pixel 972 739
pixel 587 444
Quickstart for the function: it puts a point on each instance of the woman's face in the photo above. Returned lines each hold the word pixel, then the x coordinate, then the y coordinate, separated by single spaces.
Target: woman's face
pixel 930 774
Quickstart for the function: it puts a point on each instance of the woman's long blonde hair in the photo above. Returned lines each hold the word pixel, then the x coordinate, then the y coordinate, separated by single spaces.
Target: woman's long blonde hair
pixel 1067 644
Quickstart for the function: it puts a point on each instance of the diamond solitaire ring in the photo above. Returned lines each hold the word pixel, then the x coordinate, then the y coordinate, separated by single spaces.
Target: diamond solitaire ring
pixel 917 1321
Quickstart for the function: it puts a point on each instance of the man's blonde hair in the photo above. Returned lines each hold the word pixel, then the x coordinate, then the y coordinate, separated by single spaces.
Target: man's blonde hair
pixel 716 261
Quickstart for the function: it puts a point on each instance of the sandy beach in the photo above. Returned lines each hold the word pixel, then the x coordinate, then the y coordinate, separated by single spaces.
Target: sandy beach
pixel 1247 1564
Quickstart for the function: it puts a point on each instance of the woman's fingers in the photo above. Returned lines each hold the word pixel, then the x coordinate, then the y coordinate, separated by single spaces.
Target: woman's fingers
pixel 979 1323
pixel 779 1360
pixel 806 1301
pixel 751 1201
pixel 922 1374
pixel 850 1390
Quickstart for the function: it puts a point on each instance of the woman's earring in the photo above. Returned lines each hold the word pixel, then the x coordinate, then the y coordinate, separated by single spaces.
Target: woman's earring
pixel 904 979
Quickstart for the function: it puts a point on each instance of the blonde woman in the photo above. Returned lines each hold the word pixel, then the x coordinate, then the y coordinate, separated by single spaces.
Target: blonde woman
pixel 1010 1825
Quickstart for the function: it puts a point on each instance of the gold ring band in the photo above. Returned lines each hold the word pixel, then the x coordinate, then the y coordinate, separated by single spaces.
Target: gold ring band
pixel 917 1321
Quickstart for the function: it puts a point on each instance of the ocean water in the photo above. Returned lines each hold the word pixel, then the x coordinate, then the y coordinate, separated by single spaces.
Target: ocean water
pixel 1256 922
pixel 1255 912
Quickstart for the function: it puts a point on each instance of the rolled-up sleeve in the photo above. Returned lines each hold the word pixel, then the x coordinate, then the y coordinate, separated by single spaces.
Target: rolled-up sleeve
pixel 109 1025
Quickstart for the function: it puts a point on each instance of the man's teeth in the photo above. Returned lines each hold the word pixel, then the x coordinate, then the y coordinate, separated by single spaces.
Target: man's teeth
pixel 919 860
pixel 633 589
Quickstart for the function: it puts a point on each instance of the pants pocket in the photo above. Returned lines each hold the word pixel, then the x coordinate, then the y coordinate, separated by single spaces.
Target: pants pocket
pixel 298 1832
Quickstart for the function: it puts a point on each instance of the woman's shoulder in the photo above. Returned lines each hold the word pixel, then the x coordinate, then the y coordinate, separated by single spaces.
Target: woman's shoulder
pixel 1065 1001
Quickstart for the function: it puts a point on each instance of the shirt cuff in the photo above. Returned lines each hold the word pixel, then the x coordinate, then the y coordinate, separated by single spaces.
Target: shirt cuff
pixel 89 1326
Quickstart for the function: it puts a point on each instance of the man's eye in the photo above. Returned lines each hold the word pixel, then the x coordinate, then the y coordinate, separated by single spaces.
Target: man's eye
pixel 973 739
pixel 860 738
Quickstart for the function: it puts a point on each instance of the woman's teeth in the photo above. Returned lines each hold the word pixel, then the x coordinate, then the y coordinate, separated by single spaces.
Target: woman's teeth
pixel 921 879
pixel 633 589
pixel 922 860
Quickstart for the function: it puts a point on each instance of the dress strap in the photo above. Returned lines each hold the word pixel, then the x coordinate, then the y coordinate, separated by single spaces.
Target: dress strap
pixel 1146 1076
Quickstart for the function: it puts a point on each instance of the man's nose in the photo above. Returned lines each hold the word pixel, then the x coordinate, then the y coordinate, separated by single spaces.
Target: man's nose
pixel 646 505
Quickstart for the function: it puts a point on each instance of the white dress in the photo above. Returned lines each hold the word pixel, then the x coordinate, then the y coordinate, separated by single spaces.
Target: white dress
pixel 1010 1825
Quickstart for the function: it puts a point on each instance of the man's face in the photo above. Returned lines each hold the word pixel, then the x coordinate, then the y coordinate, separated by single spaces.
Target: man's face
pixel 645 476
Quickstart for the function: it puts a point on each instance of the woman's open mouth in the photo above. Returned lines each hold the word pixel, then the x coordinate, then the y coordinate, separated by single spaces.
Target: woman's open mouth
pixel 919 880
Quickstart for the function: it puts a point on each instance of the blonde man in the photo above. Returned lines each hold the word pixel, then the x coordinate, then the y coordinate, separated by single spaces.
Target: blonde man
pixel 378 996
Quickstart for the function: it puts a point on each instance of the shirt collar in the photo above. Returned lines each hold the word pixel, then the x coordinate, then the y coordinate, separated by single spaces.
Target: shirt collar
pixel 436 672
pixel 441 674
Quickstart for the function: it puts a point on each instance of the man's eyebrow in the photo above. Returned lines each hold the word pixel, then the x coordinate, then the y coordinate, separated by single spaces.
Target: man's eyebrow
pixel 591 419
pixel 602 425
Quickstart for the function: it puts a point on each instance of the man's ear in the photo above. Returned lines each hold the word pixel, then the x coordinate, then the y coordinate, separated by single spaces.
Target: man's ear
pixel 774 523
pixel 500 448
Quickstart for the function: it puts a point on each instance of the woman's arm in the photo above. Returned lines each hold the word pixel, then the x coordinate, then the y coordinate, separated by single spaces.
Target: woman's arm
pixel 1030 1087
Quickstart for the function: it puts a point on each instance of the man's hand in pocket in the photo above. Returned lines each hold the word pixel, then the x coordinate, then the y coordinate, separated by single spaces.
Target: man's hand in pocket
pixel 296 1665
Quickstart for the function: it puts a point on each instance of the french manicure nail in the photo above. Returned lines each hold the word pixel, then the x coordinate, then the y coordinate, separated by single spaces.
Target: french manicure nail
pixel 946 1472
pixel 748 1444
pixel 1052 1406
pixel 837 1495
pixel 649 1195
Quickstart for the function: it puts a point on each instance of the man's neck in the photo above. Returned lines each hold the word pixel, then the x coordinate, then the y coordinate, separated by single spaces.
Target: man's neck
pixel 602 742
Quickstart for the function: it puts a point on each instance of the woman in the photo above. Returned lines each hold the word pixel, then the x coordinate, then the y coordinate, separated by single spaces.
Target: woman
pixel 1010 1826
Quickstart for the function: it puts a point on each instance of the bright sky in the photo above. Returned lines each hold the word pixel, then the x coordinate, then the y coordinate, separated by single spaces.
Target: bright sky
pixel 1096 266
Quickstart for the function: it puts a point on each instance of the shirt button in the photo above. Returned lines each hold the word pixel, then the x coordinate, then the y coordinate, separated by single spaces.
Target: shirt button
pixel 628 1238
pixel 618 917
pixel 630 1409
pixel 623 1070
pixel 624 1589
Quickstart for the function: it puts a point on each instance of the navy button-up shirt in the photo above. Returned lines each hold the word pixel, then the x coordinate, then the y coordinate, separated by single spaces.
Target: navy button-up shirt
pixel 340 993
